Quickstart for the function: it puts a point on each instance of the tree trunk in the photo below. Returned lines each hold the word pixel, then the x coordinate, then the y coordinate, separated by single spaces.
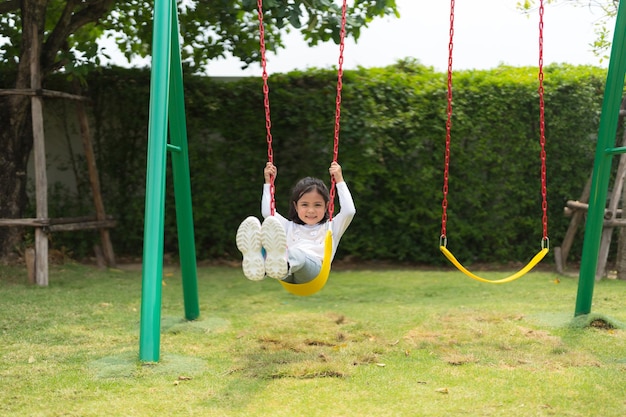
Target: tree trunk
pixel 16 140
pixel 16 144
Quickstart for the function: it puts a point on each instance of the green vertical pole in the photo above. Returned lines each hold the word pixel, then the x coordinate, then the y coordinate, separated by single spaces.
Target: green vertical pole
pixel 182 183
pixel 152 271
pixel 602 164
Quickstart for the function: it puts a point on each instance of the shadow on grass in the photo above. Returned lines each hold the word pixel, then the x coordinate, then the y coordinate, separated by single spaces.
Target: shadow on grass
pixel 127 365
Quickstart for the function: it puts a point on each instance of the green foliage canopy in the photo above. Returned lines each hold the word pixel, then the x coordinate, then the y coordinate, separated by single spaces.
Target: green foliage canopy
pixel 602 26
pixel 210 29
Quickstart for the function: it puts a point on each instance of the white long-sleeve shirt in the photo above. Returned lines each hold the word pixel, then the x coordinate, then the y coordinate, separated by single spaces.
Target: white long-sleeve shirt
pixel 311 238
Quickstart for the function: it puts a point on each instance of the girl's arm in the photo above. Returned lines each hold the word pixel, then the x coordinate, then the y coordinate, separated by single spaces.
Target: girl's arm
pixel 346 204
pixel 266 199
pixel 269 171
pixel 344 217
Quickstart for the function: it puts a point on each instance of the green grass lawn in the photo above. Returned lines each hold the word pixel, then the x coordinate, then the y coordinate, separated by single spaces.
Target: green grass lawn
pixel 371 343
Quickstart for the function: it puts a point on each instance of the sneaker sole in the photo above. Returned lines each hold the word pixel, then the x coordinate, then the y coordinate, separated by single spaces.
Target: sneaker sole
pixel 249 244
pixel 275 243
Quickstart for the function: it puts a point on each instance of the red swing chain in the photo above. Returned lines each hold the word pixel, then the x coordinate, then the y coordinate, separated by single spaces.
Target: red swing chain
pixel 342 36
pixel 446 171
pixel 542 130
pixel 266 104
pixel 446 165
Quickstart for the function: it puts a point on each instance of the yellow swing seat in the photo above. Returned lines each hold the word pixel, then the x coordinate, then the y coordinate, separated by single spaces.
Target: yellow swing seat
pixel 542 141
pixel 534 261
pixel 317 283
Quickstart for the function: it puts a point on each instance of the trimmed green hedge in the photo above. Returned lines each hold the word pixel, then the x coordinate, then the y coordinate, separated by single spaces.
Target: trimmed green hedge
pixel 391 150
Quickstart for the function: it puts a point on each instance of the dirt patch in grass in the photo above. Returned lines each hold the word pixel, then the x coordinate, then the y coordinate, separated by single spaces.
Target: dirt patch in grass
pixel 492 340
pixel 601 324
pixel 596 321
pixel 307 346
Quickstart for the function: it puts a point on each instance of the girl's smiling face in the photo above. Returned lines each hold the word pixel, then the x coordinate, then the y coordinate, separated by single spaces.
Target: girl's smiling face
pixel 311 208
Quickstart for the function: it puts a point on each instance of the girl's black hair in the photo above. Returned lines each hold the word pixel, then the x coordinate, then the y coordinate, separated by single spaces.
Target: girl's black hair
pixel 306 185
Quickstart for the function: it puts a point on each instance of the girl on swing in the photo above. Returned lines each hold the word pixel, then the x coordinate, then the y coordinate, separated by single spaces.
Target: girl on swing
pixel 292 249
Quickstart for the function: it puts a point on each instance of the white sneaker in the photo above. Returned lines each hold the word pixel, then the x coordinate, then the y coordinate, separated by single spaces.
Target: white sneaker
pixel 249 244
pixel 274 241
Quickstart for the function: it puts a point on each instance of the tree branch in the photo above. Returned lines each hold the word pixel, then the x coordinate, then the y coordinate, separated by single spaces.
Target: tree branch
pixel 69 22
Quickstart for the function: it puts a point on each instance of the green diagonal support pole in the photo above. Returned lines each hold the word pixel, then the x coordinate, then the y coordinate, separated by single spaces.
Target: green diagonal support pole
pixel 166 104
pixel 182 183
pixel 602 164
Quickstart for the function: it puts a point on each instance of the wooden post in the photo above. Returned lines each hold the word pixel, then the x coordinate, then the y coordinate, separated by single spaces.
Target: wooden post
pixel 29 259
pixel 107 247
pixel 568 240
pixel 100 261
pixel 558 260
pixel 39 149
pixel 611 212
pixel 620 262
